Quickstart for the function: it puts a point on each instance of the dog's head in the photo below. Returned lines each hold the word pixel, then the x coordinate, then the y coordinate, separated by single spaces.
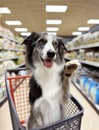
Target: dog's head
pixel 45 48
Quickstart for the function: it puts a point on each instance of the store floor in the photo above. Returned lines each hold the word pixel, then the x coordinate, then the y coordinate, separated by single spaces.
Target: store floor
pixel 90 119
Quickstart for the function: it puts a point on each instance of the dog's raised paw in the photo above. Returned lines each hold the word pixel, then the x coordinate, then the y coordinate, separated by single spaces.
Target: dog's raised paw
pixel 70 67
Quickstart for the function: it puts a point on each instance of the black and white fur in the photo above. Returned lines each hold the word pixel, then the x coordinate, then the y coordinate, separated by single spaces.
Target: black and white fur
pixel 45 57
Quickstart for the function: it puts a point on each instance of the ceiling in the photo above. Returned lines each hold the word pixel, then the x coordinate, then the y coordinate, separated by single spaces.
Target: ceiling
pixel 33 16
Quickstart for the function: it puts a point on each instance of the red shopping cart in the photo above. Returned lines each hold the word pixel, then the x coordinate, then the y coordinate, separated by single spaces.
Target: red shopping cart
pixel 18 90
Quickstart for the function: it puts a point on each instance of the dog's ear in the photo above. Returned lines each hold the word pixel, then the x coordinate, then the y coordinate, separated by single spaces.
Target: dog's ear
pixel 61 48
pixel 62 45
pixel 31 39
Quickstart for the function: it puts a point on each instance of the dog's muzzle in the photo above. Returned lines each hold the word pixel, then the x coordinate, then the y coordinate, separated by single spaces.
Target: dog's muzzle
pixel 50 57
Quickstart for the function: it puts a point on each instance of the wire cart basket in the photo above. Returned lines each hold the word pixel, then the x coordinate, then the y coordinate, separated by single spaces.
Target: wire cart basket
pixel 17 87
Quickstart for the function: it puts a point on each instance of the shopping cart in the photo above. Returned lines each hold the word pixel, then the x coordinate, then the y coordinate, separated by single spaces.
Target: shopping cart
pixel 18 91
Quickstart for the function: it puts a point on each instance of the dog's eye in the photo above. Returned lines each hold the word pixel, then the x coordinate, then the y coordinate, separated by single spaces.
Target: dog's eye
pixel 42 41
pixel 55 44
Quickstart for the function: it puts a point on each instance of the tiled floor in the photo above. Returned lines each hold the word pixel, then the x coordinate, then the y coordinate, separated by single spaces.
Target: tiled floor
pixel 5 121
pixel 90 120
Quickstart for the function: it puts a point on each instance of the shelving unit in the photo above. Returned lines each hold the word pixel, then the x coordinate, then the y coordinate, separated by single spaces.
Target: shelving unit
pixel 12 50
pixel 12 40
pixel 86 62
pixel 94 45
pixel 96 107
pixel 90 65
pixel 14 58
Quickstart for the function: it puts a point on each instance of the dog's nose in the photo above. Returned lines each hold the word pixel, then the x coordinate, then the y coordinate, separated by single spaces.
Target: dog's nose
pixel 50 54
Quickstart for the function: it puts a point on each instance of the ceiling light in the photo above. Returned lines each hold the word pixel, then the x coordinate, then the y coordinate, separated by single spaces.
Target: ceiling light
pixel 93 21
pixel 21 29
pixel 52 33
pixel 76 33
pixel 13 22
pixel 4 10
pixel 52 29
pixel 56 8
pixel 53 21
pixel 25 33
pixel 83 28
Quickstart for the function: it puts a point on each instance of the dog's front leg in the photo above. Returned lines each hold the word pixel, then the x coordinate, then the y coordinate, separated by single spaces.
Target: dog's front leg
pixel 34 120
pixel 69 68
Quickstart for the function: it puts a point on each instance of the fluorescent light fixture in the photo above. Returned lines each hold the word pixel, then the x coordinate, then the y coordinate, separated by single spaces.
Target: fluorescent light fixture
pixel 4 10
pixel 52 33
pixel 25 33
pixel 21 29
pixel 83 28
pixel 93 21
pixel 56 8
pixel 52 29
pixel 13 22
pixel 76 33
pixel 53 21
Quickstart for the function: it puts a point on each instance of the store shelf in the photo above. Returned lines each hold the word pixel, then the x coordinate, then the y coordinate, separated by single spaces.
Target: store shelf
pixel 96 107
pixel 2 73
pixel 94 45
pixel 1 49
pixel 15 58
pixel 21 65
pixel 12 40
pixel 90 63
pixel 9 59
pixel 9 51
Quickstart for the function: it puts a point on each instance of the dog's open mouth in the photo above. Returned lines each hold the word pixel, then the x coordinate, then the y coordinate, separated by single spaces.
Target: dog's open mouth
pixel 47 63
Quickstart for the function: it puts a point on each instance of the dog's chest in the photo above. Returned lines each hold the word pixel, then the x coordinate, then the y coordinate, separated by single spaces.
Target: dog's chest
pixel 48 79
pixel 50 86
pixel 50 82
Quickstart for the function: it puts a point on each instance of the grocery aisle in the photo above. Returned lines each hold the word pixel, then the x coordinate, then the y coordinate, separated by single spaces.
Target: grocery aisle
pixel 90 120
pixel 19 18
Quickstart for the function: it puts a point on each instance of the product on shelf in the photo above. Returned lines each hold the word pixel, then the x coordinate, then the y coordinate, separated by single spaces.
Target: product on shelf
pixel 96 36
pixel 8 54
pixel 20 39
pixel 20 60
pixel 82 80
pixel 94 93
pixel 86 38
pixel 81 54
pixel 6 44
pixel 18 53
pixel 96 56
pixel 2 88
pixel 6 32
pixel 89 56
pixel 7 65
pixel 83 40
pixel 2 93
pixel 89 84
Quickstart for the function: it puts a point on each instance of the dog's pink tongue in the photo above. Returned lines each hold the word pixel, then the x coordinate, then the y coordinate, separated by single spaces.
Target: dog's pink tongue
pixel 48 63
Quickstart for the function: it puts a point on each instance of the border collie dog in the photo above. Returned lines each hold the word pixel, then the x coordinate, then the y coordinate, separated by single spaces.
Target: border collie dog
pixel 49 83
